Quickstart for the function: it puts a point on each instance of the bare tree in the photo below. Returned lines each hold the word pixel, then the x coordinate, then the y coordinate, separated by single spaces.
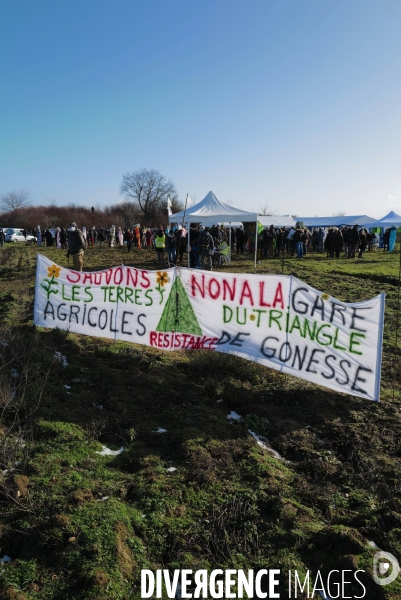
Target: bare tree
pixel 340 213
pixel 131 213
pixel 266 211
pixel 149 188
pixel 14 200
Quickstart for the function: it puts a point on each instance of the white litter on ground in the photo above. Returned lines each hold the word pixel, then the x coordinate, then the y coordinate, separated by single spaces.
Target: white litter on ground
pixel 5 559
pixel 233 416
pixel 103 499
pixel 265 444
pixel 373 545
pixel 219 400
pixel 100 407
pixel 67 387
pixel 160 430
pixel 18 463
pixel 61 358
pixel 171 469
pixel 107 452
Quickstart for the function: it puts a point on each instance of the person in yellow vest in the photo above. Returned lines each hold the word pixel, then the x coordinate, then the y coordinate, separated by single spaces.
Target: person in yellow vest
pixel 160 243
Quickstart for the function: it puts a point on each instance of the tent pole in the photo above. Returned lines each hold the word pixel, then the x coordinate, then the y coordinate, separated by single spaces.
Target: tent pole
pixel 256 242
pixel 188 245
pixel 397 325
pixel 182 226
pixel 229 242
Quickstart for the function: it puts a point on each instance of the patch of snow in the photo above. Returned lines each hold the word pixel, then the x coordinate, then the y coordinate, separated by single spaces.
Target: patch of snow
pixel 61 358
pixel 265 444
pixel 103 499
pixel 171 469
pixel 107 452
pixel 160 430
pixel 67 387
pixel 18 463
pixel 219 400
pixel 100 407
pixel 233 416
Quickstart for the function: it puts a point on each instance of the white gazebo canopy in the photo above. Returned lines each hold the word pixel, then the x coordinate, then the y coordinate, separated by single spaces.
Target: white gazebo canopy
pixel 211 211
pixel 277 221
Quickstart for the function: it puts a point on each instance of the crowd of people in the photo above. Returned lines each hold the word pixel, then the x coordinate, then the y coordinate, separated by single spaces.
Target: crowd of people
pixel 209 246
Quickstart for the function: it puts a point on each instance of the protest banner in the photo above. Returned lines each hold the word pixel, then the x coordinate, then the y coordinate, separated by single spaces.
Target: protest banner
pixel 275 320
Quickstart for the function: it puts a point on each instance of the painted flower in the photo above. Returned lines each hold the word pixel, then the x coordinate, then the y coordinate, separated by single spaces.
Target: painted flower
pixel 252 317
pixel 162 278
pixel 54 271
pixel 325 296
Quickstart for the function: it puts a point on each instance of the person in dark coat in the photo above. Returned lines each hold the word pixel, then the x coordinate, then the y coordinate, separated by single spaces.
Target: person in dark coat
pixel 240 237
pixel 206 250
pixel 363 242
pixel 298 241
pixel 337 243
pixel 386 239
pixel 49 238
pixel 353 241
pixel 328 243
pixel 76 246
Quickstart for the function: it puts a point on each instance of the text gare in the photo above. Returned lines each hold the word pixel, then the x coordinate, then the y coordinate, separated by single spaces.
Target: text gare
pixel 343 371
pixel 304 303
pixel 102 319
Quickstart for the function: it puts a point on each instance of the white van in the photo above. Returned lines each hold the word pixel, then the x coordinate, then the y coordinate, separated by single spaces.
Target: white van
pixel 15 235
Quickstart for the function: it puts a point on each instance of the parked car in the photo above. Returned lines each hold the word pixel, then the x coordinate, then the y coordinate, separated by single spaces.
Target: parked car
pixel 16 235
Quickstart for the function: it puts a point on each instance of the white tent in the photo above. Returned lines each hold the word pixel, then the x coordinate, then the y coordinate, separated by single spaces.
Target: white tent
pixel 390 220
pixel 277 221
pixel 211 211
pixel 361 220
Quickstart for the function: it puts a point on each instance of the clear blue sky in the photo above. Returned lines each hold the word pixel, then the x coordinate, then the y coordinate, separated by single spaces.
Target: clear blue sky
pixel 290 103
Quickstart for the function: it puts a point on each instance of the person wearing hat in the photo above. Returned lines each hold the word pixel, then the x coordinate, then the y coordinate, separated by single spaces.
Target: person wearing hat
pixel 76 246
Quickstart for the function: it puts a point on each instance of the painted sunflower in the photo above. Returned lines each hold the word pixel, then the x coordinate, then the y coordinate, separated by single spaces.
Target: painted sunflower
pixel 162 278
pixel 325 296
pixel 252 317
pixel 54 271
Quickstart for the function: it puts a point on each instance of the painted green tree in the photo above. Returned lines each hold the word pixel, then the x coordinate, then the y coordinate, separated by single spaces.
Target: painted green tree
pixel 178 314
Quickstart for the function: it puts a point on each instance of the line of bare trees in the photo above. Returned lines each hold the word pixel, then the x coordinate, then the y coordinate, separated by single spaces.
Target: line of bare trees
pixel 145 195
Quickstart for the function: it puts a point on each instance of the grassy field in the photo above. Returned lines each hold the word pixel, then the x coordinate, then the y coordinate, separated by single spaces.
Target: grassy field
pixel 80 525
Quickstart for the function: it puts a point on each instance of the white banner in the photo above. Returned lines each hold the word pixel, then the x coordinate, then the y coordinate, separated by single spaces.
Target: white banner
pixel 276 320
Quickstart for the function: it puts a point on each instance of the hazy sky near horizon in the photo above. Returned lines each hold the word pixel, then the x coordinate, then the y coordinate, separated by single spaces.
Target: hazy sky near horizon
pixel 290 103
